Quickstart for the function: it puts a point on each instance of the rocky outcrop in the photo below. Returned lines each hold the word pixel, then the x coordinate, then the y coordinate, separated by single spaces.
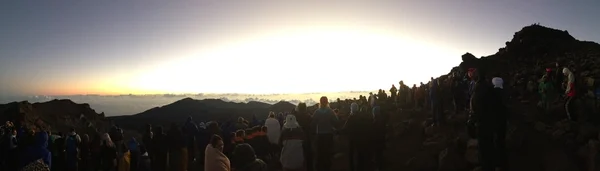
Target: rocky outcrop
pixel 55 115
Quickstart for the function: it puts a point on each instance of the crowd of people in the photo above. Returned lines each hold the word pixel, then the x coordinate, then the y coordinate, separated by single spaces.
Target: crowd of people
pixel 295 141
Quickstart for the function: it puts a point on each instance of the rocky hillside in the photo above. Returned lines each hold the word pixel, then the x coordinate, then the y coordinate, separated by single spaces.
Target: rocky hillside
pixel 55 115
pixel 200 110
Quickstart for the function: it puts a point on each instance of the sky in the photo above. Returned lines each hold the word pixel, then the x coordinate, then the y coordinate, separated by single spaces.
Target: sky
pixel 110 47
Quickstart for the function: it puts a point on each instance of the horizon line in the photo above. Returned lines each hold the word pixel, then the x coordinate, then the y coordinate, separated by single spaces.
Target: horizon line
pixel 196 94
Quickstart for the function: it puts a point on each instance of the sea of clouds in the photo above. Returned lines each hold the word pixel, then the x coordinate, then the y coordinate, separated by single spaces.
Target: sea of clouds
pixel 133 104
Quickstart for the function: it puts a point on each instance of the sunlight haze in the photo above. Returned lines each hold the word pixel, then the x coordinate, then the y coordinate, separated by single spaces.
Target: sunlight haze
pixel 254 47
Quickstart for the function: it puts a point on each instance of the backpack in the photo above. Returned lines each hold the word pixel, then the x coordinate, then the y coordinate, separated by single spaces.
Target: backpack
pixel 72 143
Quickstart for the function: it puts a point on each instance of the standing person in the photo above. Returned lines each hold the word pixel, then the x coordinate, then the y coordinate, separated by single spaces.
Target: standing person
pixel 500 117
pixel 37 151
pixel 273 133
pixel 108 154
pixel 323 123
pixel 378 134
pixel 72 150
pixel 215 160
pixel 358 129
pixel 393 92
pixel 160 149
pixel 177 150
pixel 147 140
pixel 304 119
pixel 292 138
pixel 482 108
pixel 547 92
pixel 570 93
pixel 190 130
pixel 134 154
pixel 10 150
pixel 84 154
pixel 436 101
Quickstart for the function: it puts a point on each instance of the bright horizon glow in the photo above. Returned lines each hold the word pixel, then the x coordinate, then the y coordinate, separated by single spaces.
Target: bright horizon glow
pixel 256 47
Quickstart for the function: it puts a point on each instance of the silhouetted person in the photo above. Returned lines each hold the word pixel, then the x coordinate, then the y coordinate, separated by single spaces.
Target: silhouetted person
pixel 393 92
pixel 177 149
pixel 483 109
pixel 244 159
pixel 378 136
pixel 501 117
pixel 323 123
pixel 190 130
pixel 84 153
pixel 108 154
pixel 358 129
pixel 161 150
pixel 304 119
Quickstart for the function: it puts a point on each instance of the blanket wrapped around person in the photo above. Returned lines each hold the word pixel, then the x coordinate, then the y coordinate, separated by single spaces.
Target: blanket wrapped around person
pixel 215 160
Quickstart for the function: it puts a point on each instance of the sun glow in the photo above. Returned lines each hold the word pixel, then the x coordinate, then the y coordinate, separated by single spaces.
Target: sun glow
pixel 296 62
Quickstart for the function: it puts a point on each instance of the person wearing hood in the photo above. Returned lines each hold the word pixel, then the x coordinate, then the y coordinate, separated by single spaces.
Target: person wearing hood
pixel 159 142
pixel 483 110
pixel 323 122
pixel 304 120
pixel 569 93
pixel 37 151
pixel 546 91
pixel 215 159
pixel 292 138
pixel 244 159
pixel 358 130
pixel 72 142
pixel 500 113
pixel 273 128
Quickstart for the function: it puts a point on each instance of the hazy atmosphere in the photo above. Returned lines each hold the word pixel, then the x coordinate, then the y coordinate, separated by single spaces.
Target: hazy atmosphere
pixel 148 47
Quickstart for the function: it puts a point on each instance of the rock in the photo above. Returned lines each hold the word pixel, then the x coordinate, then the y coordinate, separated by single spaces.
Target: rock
pixel 433 148
pixel 558 134
pixel 450 160
pixel 539 126
pixel 585 132
pixel 423 162
pixel 472 153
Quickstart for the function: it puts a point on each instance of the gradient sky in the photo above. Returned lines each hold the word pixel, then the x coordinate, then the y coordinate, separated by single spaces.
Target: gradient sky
pixel 119 47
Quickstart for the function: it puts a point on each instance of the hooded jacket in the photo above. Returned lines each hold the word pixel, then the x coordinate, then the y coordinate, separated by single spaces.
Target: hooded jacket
pixel 273 130
pixel 292 138
pixel 39 150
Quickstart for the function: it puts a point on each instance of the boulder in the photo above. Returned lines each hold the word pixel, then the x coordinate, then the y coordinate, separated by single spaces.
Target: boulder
pixel 423 162
pixel 540 126
pixel 558 134
pixel 472 153
pixel 450 160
